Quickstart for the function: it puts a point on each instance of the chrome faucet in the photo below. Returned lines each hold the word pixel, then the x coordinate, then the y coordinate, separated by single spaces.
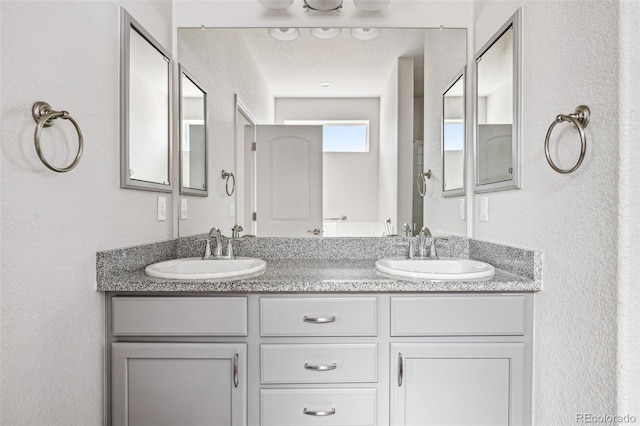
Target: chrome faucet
pixel 215 233
pixel 235 231
pixel 424 233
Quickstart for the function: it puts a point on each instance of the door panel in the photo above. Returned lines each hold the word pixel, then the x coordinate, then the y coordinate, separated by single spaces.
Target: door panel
pixel 187 384
pixel 289 180
pixel 472 384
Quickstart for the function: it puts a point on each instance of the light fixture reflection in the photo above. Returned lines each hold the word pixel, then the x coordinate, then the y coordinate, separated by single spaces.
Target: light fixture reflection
pixel 284 34
pixel 371 5
pixel 325 33
pixel 323 5
pixel 365 34
pixel 276 4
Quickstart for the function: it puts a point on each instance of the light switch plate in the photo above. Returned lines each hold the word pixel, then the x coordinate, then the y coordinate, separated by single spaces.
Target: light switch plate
pixel 162 208
pixel 484 209
pixel 184 213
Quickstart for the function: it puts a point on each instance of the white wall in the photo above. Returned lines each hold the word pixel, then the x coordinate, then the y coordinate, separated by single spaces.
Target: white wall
pixel 349 179
pixel 52 326
pixel 388 169
pixel 405 129
pixel 395 184
pixel 571 218
pixel 628 345
pixel 223 63
pixel 445 56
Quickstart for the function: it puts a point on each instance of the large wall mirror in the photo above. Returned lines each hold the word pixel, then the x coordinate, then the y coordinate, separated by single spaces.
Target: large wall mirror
pixel 498 140
pixel 145 139
pixel 453 137
pixel 193 135
pixel 340 75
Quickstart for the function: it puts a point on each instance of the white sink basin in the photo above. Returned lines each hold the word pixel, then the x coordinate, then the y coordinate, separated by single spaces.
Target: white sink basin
pixel 194 268
pixel 449 269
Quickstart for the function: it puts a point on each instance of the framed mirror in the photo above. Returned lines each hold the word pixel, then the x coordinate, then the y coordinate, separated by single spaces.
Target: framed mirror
pixel 453 137
pixel 145 122
pixel 316 80
pixel 498 128
pixel 193 136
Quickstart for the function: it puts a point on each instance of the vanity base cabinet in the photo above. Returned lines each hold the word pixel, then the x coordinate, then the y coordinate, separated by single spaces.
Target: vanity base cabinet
pixel 472 384
pixel 187 384
pixel 320 359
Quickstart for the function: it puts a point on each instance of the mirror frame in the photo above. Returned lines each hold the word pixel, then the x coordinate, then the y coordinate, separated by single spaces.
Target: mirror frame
pixel 185 190
pixel 127 24
pixel 514 22
pixel 462 74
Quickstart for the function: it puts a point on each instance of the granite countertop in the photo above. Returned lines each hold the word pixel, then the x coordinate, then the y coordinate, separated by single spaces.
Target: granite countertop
pixel 316 276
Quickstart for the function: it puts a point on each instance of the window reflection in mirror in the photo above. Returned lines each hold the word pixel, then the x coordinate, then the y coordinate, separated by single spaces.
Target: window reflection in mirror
pixel 453 137
pixel 498 126
pixel 193 136
pixel 146 128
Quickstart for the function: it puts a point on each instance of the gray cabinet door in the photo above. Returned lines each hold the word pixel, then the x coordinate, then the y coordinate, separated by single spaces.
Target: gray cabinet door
pixel 187 384
pixel 472 384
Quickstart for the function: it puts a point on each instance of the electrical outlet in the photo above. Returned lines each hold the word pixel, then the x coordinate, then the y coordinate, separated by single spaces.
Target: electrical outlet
pixel 463 209
pixel 184 214
pixel 232 208
pixel 484 209
pixel 162 208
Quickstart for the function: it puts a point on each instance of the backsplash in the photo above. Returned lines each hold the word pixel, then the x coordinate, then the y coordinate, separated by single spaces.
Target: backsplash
pixel 131 259
pixel 324 248
pixel 523 262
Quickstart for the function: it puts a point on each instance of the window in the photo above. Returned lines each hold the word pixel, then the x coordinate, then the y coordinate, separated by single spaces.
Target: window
pixel 341 136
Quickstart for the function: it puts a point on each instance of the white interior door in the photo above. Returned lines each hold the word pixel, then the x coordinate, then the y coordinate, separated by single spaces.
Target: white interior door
pixel 289 181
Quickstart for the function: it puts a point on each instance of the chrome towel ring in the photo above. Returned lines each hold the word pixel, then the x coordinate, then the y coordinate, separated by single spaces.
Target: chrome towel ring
pixel 580 120
pixel 227 176
pixel 44 116
pixel 422 182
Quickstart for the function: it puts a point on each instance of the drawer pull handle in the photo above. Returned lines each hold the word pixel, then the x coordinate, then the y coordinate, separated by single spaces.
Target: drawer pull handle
pixel 400 369
pixel 320 367
pixel 319 320
pixel 236 379
pixel 319 413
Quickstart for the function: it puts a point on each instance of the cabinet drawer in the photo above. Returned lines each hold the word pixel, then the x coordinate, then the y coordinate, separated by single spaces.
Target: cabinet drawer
pixel 179 316
pixel 301 407
pixel 334 316
pixel 321 363
pixel 458 315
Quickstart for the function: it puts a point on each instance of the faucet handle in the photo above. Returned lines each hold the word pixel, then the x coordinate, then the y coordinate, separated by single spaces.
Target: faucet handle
pixel 207 247
pixel 433 250
pixel 236 230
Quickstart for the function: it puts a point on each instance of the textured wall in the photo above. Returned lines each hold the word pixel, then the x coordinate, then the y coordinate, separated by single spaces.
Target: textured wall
pixel 52 327
pixel 569 51
pixel 223 63
pixel 445 56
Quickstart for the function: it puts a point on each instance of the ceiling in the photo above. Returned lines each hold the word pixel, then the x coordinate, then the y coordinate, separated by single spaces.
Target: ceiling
pixel 355 68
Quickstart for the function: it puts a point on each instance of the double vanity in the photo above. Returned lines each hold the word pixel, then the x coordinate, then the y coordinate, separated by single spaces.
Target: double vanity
pixel 320 336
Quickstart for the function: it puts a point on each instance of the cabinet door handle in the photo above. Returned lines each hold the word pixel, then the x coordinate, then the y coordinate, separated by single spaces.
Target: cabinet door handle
pixel 319 320
pixel 236 380
pixel 320 367
pixel 319 413
pixel 400 369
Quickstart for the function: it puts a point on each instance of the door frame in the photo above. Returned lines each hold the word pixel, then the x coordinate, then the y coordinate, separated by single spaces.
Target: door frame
pixel 245 159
